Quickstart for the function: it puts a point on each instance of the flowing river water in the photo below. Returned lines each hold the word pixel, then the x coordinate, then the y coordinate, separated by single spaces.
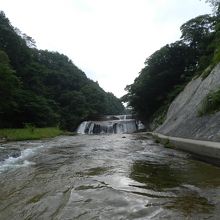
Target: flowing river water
pixel 120 176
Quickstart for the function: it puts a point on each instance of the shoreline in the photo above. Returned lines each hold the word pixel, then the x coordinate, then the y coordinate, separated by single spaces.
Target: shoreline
pixel 206 151
pixel 23 134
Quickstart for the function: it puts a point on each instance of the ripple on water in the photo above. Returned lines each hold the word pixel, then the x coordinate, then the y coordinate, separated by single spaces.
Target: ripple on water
pixel 110 177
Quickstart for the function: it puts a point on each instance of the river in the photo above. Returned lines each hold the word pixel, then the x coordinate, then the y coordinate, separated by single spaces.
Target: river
pixel 120 176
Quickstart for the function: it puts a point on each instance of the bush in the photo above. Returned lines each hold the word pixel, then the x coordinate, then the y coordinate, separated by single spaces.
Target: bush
pixel 207 71
pixel 210 104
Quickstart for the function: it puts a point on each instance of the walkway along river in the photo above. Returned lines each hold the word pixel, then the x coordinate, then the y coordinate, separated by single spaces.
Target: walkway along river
pixel 120 176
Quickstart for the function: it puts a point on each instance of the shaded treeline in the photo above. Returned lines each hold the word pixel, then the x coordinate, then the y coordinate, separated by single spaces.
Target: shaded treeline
pixel 45 88
pixel 167 71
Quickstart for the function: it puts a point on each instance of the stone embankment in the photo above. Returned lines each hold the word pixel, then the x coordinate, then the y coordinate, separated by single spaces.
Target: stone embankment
pixel 184 129
pixel 182 118
pixel 208 151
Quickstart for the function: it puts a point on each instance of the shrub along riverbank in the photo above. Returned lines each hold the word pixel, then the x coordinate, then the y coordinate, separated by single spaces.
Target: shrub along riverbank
pixel 29 133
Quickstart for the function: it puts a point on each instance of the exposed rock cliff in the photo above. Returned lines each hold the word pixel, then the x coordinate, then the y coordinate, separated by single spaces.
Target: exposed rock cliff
pixel 182 118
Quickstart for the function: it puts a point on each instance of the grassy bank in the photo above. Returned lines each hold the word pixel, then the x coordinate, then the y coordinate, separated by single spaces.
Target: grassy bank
pixel 29 133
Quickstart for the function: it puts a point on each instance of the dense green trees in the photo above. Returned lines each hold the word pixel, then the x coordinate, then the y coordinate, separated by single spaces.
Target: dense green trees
pixel 167 70
pixel 9 85
pixel 45 88
pixel 158 79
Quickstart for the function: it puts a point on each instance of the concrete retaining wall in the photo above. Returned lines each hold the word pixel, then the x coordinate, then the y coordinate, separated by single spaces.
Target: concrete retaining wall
pixel 204 150
pixel 182 118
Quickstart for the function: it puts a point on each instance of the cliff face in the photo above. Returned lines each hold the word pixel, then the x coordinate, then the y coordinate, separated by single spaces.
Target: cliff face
pixel 182 118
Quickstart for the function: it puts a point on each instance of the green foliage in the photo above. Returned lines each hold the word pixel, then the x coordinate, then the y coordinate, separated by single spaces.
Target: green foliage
pixel 34 109
pixel 216 43
pixel 164 70
pixel 197 31
pixel 214 47
pixel 95 99
pixel 74 109
pixel 207 71
pixel 210 104
pixel 29 126
pixel 169 69
pixel 9 85
pixel 13 45
pixel 199 34
pixel 29 134
pixel 168 144
pixel 159 116
pixel 114 105
pixel 44 88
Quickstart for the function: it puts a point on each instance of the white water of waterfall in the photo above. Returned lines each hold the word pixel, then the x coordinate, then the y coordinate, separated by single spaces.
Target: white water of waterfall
pixel 81 128
pixel 119 126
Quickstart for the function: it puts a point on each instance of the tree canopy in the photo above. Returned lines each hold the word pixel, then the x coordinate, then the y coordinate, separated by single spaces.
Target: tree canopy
pixel 167 70
pixel 45 88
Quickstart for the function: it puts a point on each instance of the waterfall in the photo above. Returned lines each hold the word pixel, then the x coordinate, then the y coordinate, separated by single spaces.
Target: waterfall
pixel 81 128
pixel 119 125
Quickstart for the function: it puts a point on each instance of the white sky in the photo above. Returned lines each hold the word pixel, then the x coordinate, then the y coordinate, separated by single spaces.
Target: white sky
pixel 108 39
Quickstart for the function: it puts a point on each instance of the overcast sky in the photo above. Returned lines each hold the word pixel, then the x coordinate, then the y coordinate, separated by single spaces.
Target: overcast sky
pixel 108 39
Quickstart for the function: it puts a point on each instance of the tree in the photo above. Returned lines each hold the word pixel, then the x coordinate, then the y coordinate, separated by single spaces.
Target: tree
pixel 199 33
pixel 198 30
pixel 156 85
pixel 15 47
pixel 45 88
pixel 36 110
pixel 113 105
pixel 9 85
pixel 74 109
pixel 215 4
pixel 167 70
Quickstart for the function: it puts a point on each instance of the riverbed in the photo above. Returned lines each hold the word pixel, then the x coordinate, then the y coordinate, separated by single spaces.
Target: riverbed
pixel 120 176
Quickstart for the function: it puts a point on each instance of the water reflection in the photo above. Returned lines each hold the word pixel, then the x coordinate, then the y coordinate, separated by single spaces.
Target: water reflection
pixel 157 177
pixel 191 204
pixel 109 177
pixel 183 187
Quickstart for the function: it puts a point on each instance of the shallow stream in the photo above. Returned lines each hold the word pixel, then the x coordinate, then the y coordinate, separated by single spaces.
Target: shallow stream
pixel 121 176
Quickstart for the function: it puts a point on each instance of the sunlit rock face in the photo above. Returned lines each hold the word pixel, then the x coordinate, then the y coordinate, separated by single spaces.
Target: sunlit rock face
pixel 118 124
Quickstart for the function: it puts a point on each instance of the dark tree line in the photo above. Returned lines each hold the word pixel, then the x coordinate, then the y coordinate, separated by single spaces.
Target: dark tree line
pixel 167 70
pixel 45 88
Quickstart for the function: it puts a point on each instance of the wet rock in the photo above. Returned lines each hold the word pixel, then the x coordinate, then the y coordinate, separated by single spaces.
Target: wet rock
pixel 3 139
pixel 5 153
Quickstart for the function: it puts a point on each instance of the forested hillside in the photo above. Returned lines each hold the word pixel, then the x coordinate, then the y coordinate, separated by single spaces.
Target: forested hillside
pixel 45 88
pixel 169 69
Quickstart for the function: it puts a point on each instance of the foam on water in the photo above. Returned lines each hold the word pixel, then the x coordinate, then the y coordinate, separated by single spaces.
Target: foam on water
pixel 114 124
pixel 81 128
pixel 21 161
